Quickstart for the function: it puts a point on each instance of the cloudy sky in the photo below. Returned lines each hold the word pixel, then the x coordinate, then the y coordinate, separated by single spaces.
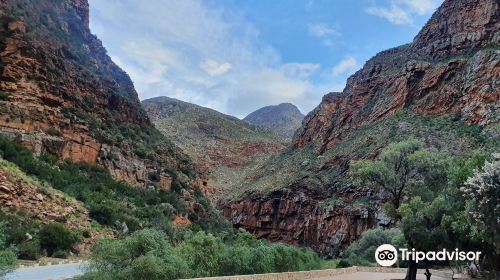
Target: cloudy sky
pixel 236 56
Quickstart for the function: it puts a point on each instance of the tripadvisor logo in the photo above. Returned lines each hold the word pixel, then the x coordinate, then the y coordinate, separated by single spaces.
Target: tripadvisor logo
pixel 387 255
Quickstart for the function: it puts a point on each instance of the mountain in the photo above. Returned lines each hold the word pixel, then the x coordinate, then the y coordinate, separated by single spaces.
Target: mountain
pixel 63 98
pixel 62 94
pixel 284 118
pixel 222 146
pixel 441 89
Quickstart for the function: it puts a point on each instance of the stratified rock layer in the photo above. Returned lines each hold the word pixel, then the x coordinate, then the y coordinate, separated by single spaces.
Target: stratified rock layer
pixel 451 70
pixel 61 94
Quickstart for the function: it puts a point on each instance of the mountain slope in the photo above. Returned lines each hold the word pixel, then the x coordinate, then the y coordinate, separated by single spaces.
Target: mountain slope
pixel 61 94
pixel 63 98
pixel 284 118
pixel 441 89
pixel 222 146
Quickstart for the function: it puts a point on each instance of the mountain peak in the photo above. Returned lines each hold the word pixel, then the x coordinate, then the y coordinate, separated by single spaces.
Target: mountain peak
pixel 283 118
pixel 459 25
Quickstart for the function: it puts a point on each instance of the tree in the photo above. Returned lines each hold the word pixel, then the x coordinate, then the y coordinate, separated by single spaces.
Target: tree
pixel 482 192
pixel 437 219
pixel 401 169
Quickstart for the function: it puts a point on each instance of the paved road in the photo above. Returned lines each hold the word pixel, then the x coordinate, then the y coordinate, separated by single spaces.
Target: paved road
pixel 60 271
pixel 374 276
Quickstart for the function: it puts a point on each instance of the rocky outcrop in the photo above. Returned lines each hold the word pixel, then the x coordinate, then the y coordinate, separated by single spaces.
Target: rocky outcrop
pixel 451 72
pixel 451 68
pixel 300 217
pixel 283 119
pixel 62 94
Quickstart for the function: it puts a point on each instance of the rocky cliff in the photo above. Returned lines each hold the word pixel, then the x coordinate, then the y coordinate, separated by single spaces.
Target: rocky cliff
pixel 442 88
pixel 284 119
pixel 222 146
pixel 61 94
pixel 451 68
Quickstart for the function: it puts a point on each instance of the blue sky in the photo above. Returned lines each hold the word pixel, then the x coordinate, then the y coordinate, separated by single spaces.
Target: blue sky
pixel 236 56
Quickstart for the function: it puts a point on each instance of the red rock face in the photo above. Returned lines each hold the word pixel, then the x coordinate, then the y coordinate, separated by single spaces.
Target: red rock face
pixel 296 217
pixel 452 68
pixel 53 69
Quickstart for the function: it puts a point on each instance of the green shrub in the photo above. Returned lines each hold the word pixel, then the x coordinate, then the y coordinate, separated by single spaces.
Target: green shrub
pixel 29 250
pixel 7 255
pixel 55 237
pixel 362 251
pixel 62 254
pixel 4 96
pixel 343 264
pixel 16 227
pixel 109 201
pixel 147 254
pixel 7 261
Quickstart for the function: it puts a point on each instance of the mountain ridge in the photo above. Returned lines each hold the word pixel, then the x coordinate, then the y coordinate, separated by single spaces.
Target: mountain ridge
pixel 440 89
pixel 223 146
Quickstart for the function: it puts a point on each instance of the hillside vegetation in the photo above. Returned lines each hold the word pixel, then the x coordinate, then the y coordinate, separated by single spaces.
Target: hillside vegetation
pixel 223 147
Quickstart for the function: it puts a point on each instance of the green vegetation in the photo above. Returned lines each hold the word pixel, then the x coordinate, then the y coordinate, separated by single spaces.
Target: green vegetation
pixel 401 169
pixel 430 205
pixel 15 230
pixel 7 254
pixel 305 167
pixel 109 202
pixel 57 240
pixel 362 251
pixel 112 204
pixel 147 254
pixel 4 95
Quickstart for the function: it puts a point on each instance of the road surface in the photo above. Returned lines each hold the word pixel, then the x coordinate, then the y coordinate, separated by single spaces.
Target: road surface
pixel 374 276
pixel 59 271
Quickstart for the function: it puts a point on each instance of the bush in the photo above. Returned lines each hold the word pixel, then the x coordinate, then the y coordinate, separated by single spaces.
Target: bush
pixel 62 254
pixel 109 201
pixel 343 264
pixel 147 254
pixel 29 250
pixel 362 251
pixel 7 255
pixel 16 226
pixel 7 261
pixel 55 237
pixel 4 96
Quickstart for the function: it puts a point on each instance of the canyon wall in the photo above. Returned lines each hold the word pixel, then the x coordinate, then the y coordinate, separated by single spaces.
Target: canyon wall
pixel 450 71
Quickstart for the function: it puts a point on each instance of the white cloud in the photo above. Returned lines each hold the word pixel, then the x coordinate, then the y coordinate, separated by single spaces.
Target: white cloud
pixel 299 70
pixel 214 68
pixel 207 56
pixel 324 32
pixel 346 65
pixel 403 11
pixel 321 30
pixel 394 14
